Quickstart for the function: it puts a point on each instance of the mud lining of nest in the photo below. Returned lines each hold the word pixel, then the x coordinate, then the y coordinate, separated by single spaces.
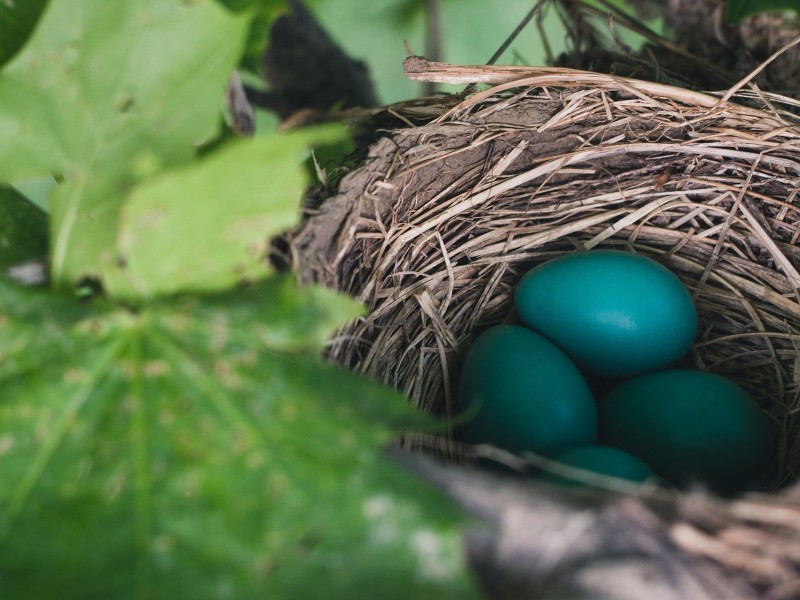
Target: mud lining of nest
pixel 436 227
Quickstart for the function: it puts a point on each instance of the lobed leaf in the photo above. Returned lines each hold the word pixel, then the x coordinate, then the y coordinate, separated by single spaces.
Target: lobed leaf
pixel 209 225
pixel 199 449
pixel 103 94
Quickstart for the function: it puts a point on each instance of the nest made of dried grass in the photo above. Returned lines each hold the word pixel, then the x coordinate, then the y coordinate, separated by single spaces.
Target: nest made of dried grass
pixel 437 225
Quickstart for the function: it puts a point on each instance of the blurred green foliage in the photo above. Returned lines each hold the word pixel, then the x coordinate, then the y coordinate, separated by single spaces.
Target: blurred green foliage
pixel 736 10
pixel 157 442
pixel 17 20
pixel 23 228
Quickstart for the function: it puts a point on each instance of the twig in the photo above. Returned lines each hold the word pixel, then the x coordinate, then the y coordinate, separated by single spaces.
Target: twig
pixel 509 40
pixel 754 73
pixel 433 39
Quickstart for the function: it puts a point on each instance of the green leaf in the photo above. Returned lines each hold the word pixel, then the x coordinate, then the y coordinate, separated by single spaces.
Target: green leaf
pixel 736 10
pixel 200 449
pixel 103 94
pixel 261 5
pixel 264 13
pixel 37 191
pixel 209 225
pixel 23 228
pixel 39 333
pixel 17 20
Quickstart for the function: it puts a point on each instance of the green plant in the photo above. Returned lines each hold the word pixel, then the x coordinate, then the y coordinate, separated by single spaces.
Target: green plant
pixel 178 435
pixel 736 10
pixel 17 20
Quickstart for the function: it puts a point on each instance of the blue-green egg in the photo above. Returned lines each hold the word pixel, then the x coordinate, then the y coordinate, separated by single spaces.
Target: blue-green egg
pixel 519 392
pixel 690 426
pixel 604 460
pixel 616 314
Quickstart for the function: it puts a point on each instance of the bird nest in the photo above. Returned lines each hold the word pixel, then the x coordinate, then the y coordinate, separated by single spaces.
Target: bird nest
pixel 439 221
pixel 435 228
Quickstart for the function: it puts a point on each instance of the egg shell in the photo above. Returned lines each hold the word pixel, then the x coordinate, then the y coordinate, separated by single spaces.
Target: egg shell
pixel 604 460
pixel 616 314
pixel 690 426
pixel 519 392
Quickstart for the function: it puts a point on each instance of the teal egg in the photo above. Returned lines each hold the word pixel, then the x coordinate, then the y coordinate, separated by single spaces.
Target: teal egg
pixel 690 426
pixel 616 314
pixel 518 391
pixel 604 460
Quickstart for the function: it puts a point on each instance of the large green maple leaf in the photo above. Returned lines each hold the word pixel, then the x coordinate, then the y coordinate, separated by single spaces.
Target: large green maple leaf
pixel 103 94
pixel 198 449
